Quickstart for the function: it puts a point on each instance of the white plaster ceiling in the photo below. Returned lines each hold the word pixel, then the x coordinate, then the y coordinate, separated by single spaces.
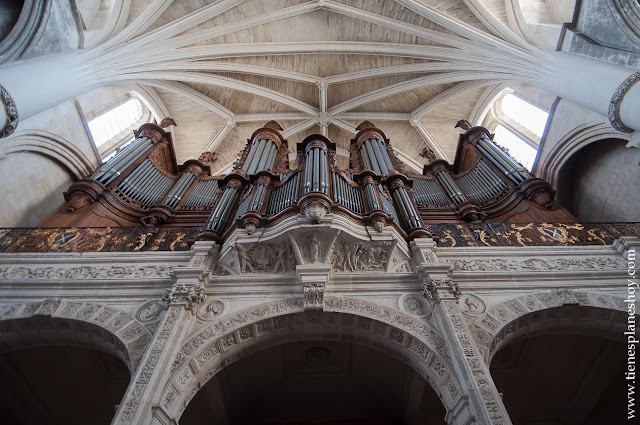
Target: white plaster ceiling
pixel 223 69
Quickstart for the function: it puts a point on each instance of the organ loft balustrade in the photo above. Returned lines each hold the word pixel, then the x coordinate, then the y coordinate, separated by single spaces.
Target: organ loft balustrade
pixel 143 185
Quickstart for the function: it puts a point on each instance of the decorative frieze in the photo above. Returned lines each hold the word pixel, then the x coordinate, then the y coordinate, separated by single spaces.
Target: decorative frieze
pixel 84 272
pixel 537 264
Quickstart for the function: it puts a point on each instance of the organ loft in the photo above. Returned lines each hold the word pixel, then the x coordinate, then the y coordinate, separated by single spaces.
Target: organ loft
pixel 312 238
pixel 143 185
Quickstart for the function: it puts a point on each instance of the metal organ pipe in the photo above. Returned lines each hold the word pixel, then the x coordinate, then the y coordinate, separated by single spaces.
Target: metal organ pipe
pixel 177 192
pixel 365 158
pixel 128 160
pixel 132 181
pixel 271 159
pixel 380 158
pixel 145 178
pixel 372 158
pixel 385 154
pixel 253 155
pixel 250 155
pixel 450 186
pixel 118 164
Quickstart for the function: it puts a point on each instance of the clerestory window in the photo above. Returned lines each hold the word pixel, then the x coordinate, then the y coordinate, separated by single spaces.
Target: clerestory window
pixel 111 123
pixel 519 125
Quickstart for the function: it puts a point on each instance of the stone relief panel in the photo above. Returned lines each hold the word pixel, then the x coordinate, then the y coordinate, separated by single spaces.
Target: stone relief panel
pixel 99 323
pixel 356 256
pixel 511 317
pixel 274 256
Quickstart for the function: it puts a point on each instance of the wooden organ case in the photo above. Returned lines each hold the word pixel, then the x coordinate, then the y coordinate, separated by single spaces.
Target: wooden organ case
pixel 144 185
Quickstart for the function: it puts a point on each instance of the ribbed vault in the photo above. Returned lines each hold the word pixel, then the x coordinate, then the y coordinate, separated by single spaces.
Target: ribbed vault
pixel 224 68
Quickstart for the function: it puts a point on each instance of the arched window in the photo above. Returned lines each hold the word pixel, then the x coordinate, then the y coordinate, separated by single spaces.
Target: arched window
pixel 530 117
pixel 515 146
pixel 518 127
pixel 108 125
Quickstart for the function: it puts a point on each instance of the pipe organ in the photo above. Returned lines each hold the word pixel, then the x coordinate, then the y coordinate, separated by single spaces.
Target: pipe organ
pixel 143 184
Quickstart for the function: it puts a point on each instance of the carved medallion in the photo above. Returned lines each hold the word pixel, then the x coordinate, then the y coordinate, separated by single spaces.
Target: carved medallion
pixel 210 310
pixel 472 305
pixel 149 312
pixel 415 305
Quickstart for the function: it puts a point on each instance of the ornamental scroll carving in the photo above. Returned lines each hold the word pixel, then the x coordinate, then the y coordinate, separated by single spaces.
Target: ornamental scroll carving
pixel 84 272
pixel 538 264
pixel 313 296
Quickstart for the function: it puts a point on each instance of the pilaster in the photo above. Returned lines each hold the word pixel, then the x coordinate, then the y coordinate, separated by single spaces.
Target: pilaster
pixel 182 299
pixel 482 403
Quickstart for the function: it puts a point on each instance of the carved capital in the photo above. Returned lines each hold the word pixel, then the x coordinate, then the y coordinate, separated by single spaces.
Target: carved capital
pixel 313 279
pixel 443 288
pixel 191 296
pixel 322 84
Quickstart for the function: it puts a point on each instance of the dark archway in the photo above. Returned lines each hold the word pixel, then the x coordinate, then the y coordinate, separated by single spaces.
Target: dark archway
pixel 599 182
pixel 60 371
pixel 562 379
pixel 60 385
pixel 304 382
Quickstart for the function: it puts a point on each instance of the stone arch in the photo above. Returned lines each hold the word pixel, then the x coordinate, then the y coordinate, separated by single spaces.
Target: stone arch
pixel 548 167
pixel 545 312
pixel 25 29
pixel 74 323
pixel 63 152
pixel 215 346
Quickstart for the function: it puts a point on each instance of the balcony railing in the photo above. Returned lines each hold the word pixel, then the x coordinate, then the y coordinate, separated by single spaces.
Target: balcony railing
pixel 134 239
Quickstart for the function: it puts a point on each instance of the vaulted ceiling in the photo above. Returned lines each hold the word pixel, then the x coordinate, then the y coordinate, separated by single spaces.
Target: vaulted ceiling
pixel 223 69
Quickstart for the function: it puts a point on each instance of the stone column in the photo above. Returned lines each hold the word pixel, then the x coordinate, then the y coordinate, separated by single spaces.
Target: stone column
pixel 183 299
pixel 484 405
pixel 41 83
pixel 603 87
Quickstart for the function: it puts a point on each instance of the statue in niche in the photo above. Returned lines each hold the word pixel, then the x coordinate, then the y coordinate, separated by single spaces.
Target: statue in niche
pixel 243 259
